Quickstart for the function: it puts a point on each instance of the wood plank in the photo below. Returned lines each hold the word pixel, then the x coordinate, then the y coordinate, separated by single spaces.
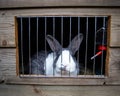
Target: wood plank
pixel 7 62
pixel 32 90
pixel 114 62
pixel 55 81
pixel 7 31
pixel 77 90
pixel 114 58
pixel 8 71
pixel 115 31
pixel 57 3
pixel 114 67
pixel 113 80
pixel 7 21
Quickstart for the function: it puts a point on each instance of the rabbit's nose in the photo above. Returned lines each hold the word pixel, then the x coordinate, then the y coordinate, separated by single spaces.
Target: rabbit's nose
pixel 63 67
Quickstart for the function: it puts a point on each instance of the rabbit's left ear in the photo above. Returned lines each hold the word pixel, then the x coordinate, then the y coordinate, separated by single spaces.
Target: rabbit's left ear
pixel 53 43
pixel 75 43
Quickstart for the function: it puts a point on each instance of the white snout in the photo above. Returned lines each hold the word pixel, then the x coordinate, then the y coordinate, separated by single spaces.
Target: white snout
pixel 65 64
pixel 65 60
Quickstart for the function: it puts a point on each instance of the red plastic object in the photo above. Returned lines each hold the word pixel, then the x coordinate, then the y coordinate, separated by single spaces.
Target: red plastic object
pixel 102 48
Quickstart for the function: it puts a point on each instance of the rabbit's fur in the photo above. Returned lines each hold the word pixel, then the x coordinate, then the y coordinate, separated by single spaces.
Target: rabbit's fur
pixel 60 61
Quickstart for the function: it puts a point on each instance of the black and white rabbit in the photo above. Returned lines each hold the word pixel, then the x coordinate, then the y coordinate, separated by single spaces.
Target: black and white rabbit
pixel 59 62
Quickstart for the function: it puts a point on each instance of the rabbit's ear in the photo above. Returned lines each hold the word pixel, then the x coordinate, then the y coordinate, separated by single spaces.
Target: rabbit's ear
pixel 53 43
pixel 75 43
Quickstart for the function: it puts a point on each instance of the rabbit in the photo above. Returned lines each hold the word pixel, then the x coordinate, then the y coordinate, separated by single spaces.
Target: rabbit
pixel 60 61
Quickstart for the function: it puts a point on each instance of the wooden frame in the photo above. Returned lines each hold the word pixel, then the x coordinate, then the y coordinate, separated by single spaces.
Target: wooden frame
pixel 79 76
pixel 7 20
pixel 8 66
pixel 58 3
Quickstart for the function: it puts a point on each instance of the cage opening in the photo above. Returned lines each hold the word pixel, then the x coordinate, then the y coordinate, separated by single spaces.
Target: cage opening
pixel 32 33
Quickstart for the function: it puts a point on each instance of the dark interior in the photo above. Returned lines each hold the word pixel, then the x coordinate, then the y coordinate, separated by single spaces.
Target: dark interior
pixel 32 32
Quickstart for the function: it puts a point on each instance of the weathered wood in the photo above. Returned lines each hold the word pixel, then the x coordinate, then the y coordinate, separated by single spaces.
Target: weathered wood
pixel 7 68
pixel 55 81
pixel 8 71
pixel 32 90
pixel 115 31
pixel 7 31
pixel 58 3
pixel 7 39
pixel 114 58
pixel 7 62
pixel 77 90
pixel 7 21
pixel 114 67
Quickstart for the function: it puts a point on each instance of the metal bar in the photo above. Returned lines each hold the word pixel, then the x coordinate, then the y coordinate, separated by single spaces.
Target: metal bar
pixel 53 26
pixel 61 40
pixel 62 31
pixel 79 47
pixel 29 21
pixel 70 39
pixel 102 29
pixel 86 45
pixel 95 45
pixel 55 16
pixel 79 77
pixel 103 37
pixel 37 43
pixel 21 24
pixel 70 30
pixel 54 37
pixel 45 41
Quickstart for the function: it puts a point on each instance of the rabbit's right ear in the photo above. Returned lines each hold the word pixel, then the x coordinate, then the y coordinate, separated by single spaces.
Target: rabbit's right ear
pixel 53 43
pixel 75 43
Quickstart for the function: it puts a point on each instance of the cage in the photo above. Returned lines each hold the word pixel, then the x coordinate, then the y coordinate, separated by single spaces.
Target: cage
pixel 91 55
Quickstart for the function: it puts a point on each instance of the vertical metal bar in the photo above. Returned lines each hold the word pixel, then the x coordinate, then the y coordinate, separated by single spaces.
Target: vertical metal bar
pixel 70 40
pixel 95 44
pixel 37 44
pixel 21 24
pixel 86 45
pixel 103 39
pixel 54 37
pixel 45 41
pixel 62 30
pixel 70 30
pixel 53 26
pixel 29 45
pixel 61 40
pixel 78 50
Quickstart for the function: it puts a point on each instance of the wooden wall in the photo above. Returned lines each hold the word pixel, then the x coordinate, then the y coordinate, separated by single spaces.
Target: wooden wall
pixel 58 3
pixel 7 21
pixel 8 42
pixel 32 90
pixel 11 8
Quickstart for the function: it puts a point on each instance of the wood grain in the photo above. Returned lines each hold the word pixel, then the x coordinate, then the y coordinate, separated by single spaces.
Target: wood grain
pixel 7 21
pixel 8 52
pixel 57 3
pixel 32 90
pixel 7 62
pixel 7 31
pixel 8 70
